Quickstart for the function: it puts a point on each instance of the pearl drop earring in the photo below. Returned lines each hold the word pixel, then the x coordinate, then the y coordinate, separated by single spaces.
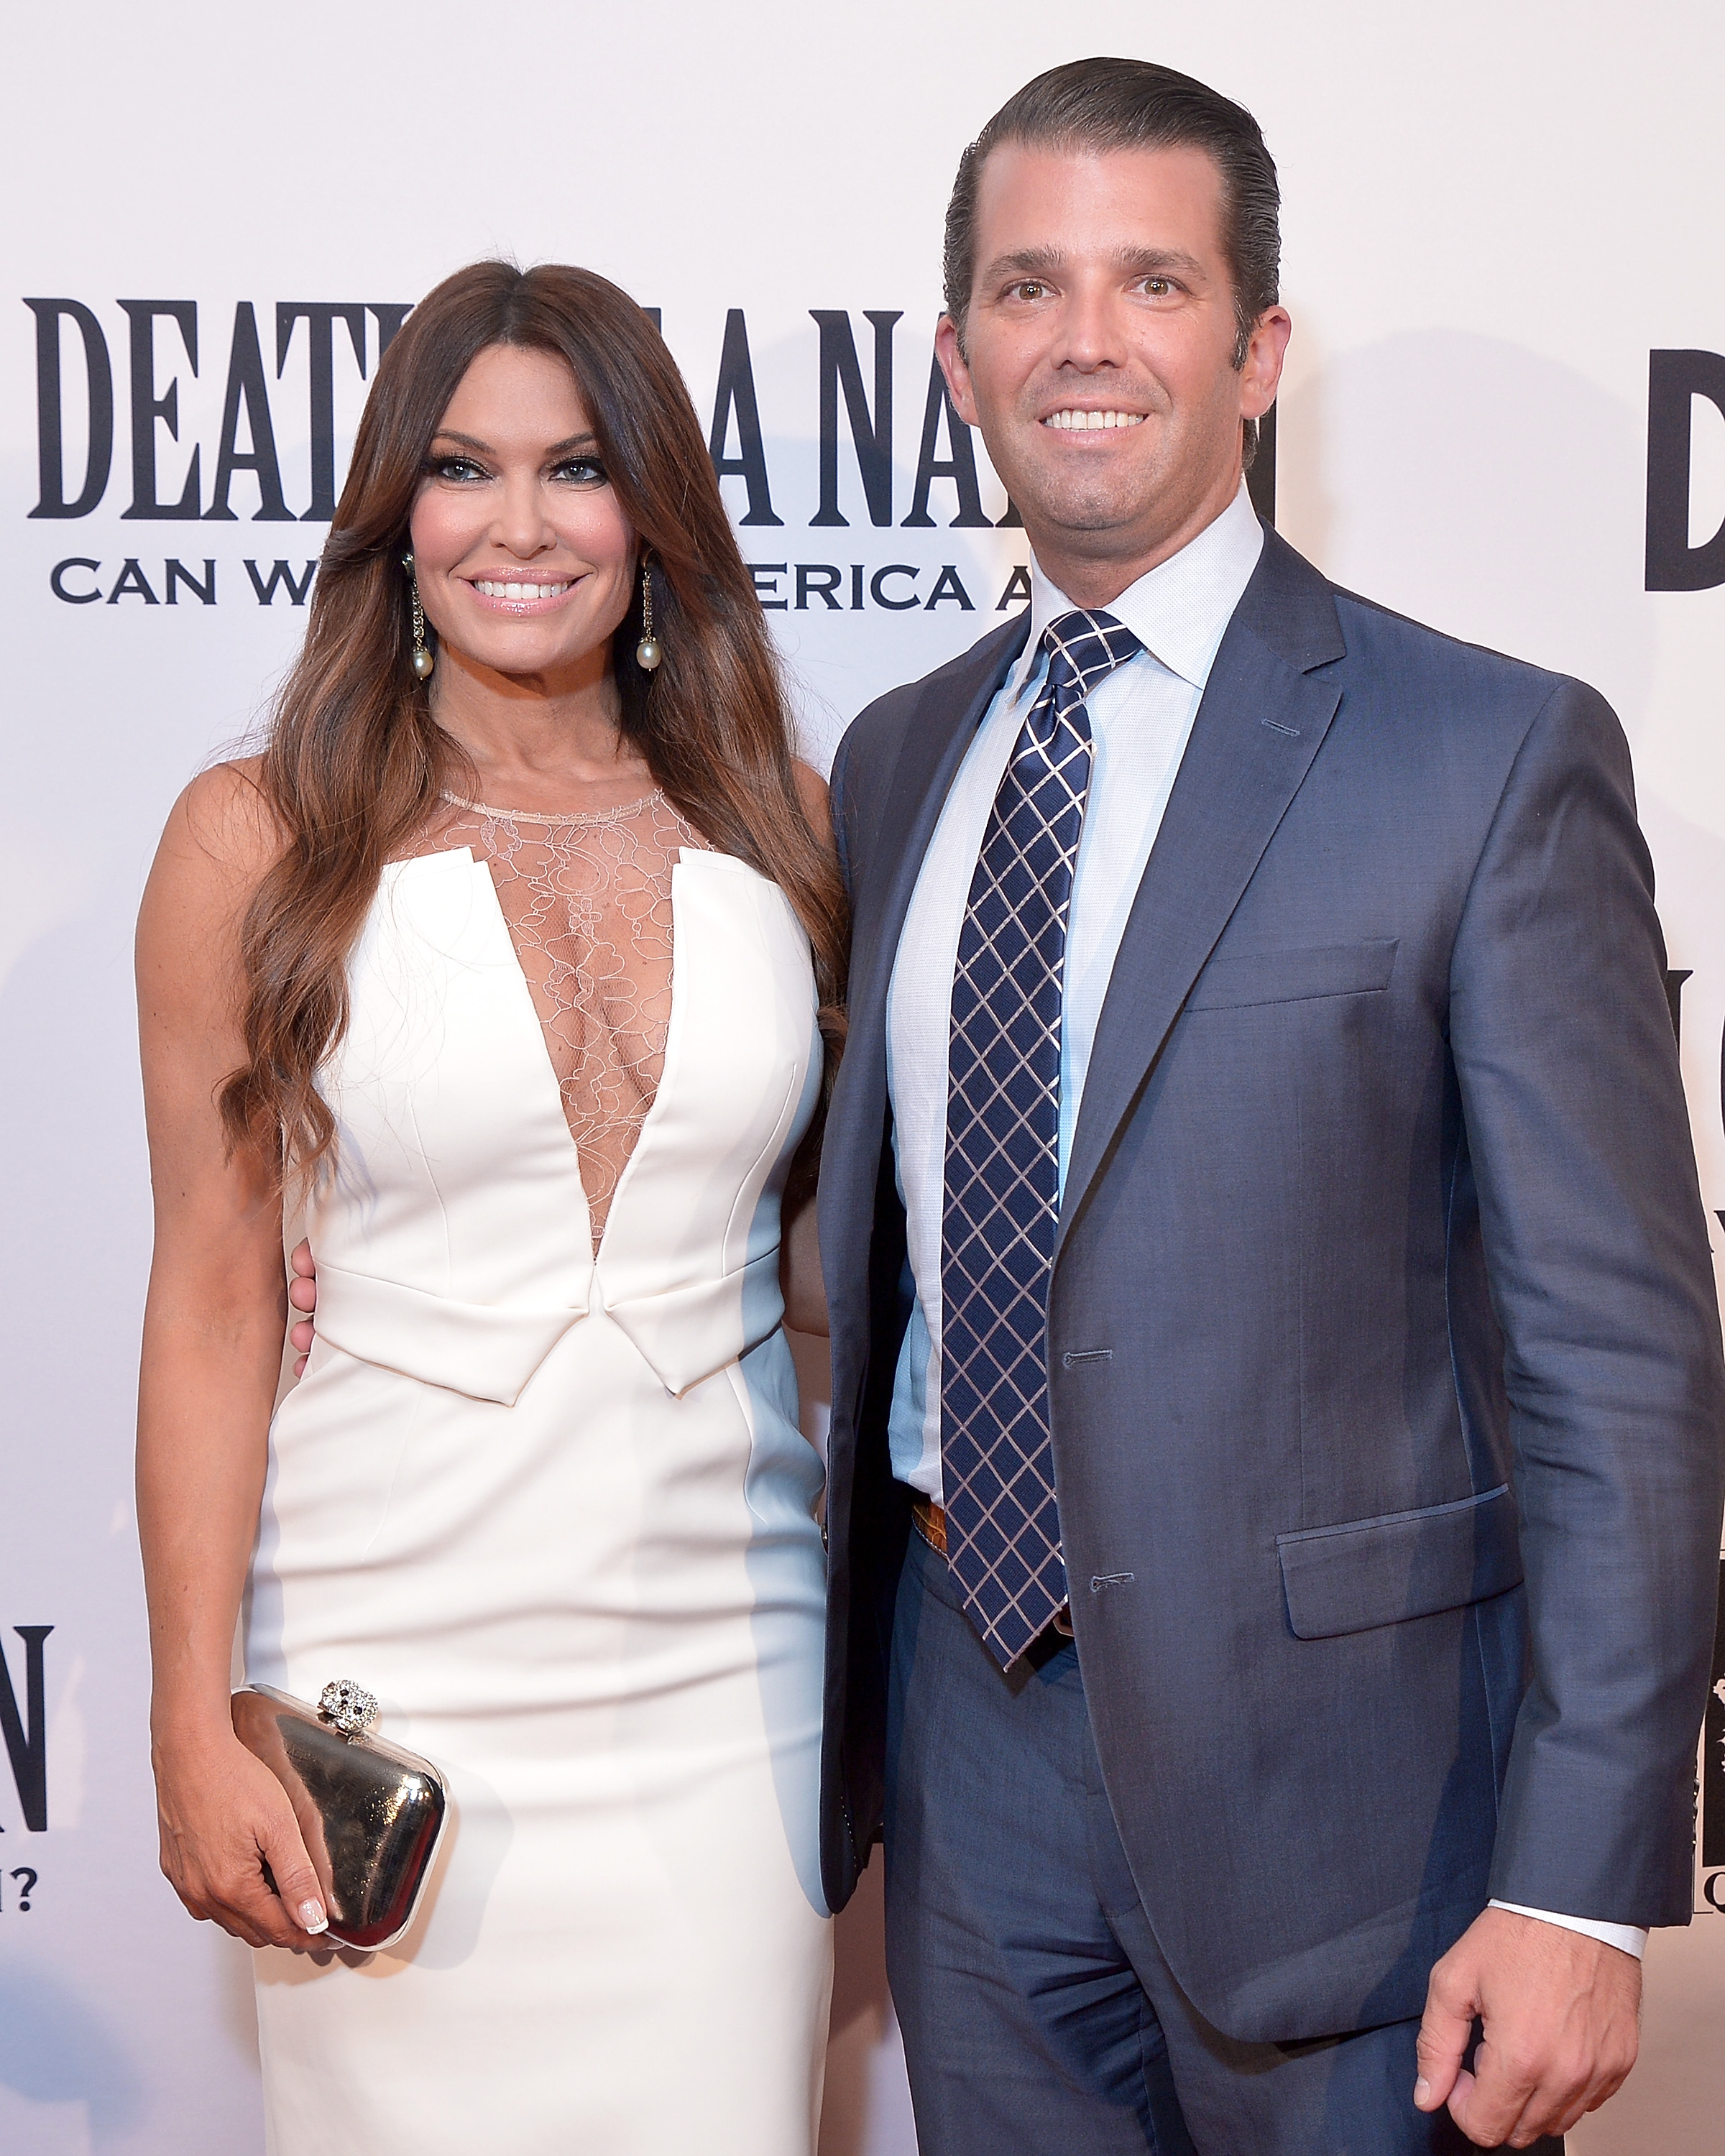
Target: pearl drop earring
pixel 424 659
pixel 648 651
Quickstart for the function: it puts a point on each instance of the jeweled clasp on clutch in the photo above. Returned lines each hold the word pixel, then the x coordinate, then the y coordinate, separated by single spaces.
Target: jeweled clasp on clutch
pixel 347 1707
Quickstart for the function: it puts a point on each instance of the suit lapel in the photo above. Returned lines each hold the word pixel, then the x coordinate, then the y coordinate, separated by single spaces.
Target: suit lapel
pixel 1261 722
pixel 916 789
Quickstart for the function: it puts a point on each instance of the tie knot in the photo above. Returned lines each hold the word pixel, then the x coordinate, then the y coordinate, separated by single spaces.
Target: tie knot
pixel 1088 643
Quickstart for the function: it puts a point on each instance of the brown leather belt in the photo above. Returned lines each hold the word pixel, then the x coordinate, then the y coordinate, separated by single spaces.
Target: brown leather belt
pixel 930 1522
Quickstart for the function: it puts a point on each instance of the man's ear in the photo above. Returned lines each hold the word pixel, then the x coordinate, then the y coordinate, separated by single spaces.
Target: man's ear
pixel 1265 349
pixel 947 350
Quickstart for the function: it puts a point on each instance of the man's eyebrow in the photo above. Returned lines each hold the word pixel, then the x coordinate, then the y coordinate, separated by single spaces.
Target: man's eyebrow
pixel 1156 261
pixel 1028 262
pixel 473 441
pixel 1050 261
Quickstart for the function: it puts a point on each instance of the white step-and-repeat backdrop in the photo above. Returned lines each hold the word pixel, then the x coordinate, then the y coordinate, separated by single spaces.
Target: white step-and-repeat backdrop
pixel 1504 414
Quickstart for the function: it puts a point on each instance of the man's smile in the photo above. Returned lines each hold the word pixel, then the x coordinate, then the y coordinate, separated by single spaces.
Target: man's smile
pixel 1074 419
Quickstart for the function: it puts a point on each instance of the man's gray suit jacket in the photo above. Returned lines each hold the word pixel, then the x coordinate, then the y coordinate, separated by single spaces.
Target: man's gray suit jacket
pixel 1383 1344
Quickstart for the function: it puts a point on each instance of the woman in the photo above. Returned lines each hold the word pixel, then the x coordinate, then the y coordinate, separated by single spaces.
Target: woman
pixel 505 959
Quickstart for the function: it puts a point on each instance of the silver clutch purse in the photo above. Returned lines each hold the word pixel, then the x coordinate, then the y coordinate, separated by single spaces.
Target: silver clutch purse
pixel 371 1813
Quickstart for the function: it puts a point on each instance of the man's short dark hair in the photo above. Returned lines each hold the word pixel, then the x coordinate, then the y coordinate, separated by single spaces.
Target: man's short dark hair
pixel 1102 104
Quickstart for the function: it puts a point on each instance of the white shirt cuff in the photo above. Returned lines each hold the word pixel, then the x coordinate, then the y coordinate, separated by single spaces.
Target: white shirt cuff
pixel 1627 1939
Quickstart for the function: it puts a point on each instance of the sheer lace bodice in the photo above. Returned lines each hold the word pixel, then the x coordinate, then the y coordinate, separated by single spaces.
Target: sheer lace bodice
pixel 587 899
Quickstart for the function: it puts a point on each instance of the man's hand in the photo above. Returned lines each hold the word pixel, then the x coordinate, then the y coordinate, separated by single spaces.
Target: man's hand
pixel 1562 2024
pixel 302 1295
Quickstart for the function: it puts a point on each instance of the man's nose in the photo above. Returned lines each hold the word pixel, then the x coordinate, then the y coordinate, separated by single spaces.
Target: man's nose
pixel 1091 333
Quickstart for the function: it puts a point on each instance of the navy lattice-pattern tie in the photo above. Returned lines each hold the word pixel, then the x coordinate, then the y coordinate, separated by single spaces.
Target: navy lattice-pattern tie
pixel 1002 1200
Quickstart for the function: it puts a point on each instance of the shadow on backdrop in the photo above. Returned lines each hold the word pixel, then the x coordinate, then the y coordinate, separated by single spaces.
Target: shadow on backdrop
pixel 55 2048
pixel 1489 491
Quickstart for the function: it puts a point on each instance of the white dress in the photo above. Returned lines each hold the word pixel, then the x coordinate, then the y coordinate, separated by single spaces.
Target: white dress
pixel 542 1490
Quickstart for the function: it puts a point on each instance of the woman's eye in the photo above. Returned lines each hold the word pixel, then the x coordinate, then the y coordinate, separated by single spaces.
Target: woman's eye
pixel 581 471
pixel 459 469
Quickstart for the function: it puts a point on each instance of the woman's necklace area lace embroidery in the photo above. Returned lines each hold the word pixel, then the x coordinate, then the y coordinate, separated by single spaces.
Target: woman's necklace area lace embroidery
pixel 588 902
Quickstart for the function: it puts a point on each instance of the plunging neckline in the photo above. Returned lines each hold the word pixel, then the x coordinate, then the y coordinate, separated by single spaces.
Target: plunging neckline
pixel 481 867
pixel 439 1094
pixel 585 900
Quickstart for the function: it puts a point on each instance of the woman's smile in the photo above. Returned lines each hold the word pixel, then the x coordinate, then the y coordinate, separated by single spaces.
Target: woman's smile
pixel 519 596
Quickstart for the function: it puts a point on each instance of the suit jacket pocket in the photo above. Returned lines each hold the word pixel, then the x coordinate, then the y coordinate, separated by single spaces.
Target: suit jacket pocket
pixel 1233 979
pixel 1364 1573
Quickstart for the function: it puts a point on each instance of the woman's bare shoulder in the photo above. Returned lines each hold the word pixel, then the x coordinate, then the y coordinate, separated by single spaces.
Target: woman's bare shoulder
pixel 222 830
pixel 221 840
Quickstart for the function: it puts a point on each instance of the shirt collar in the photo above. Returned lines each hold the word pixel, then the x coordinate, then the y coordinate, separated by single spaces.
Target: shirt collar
pixel 1178 611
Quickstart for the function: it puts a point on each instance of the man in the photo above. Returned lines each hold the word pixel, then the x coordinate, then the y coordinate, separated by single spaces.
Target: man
pixel 1275 1467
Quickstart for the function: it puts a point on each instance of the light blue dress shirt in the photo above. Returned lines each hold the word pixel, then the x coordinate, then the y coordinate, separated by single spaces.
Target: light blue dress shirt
pixel 1141 719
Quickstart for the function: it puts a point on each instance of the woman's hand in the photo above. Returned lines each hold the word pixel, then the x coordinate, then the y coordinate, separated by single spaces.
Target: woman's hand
pixel 224 1816
pixel 302 1297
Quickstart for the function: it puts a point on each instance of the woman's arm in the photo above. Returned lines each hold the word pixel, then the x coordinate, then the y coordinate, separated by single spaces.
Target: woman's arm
pixel 212 1356
pixel 799 1279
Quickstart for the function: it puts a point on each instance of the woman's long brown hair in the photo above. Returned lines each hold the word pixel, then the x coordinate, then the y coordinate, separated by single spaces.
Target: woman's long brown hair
pixel 355 763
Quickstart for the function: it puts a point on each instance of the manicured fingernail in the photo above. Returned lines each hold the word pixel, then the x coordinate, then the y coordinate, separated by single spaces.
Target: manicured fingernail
pixel 1422 2090
pixel 312 1918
